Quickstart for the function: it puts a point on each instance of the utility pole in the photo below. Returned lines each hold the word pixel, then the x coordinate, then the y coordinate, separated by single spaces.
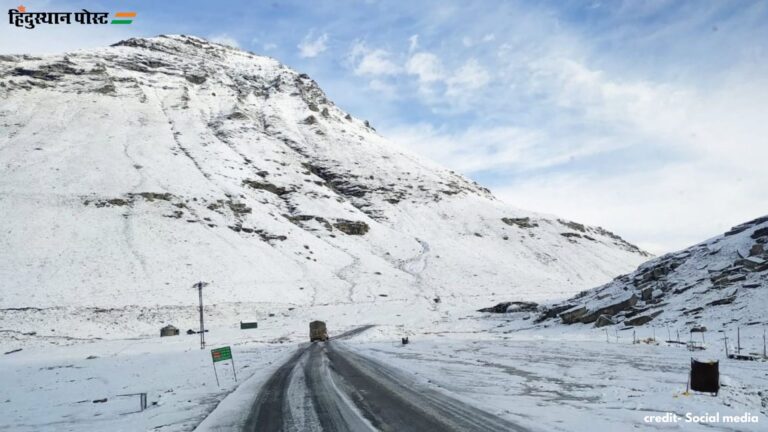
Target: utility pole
pixel 199 287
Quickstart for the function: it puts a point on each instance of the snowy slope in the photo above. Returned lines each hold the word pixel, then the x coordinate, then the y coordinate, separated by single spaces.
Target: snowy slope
pixel 720 283
pixel 130 172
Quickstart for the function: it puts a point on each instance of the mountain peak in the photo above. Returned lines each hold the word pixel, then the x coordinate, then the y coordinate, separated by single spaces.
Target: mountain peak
pixel 160 161
pixel 185 45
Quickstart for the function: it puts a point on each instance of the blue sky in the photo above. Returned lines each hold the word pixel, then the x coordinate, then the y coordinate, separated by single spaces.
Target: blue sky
pixel 646 117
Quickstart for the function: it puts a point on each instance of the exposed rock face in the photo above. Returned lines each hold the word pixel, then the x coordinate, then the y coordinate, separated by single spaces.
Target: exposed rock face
pixel 351 227
pixel 603 321
pixel 552 311
pixel 269 187
pixel 520 222
pixel 573 315
pixel 642 319
pixel 684 286
pixel 761 233
pixel 610 310
pixel 584 315
pixel 505 307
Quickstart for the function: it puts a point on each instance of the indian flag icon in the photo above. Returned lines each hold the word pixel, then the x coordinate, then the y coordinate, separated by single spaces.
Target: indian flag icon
pixel 124 17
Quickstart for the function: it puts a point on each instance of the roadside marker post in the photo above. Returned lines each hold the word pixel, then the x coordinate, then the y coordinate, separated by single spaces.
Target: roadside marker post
pixel 199 286
pixel 222 354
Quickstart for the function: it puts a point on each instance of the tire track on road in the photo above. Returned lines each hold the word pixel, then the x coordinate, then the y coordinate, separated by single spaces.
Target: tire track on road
pixel 344 391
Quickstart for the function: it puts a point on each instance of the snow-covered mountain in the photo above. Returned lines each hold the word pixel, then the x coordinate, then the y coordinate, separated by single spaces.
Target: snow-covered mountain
pixel 720 282
pixel 130 172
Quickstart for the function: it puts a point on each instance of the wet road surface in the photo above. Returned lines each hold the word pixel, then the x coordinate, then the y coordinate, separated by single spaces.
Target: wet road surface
pixel 328 387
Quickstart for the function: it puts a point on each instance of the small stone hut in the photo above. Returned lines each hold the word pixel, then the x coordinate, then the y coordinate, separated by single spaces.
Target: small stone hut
pixel 169 330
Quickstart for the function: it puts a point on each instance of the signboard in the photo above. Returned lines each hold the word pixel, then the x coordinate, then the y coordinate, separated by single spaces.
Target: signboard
pixel 221 354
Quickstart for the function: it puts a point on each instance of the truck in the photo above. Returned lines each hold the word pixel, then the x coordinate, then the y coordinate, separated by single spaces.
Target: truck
pixel 317 331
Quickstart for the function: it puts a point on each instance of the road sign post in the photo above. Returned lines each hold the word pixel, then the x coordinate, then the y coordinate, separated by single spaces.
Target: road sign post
pixel 222 354
pixel 216 374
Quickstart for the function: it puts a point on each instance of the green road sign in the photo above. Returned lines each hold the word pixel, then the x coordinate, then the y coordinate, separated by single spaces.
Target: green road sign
pixel 221 354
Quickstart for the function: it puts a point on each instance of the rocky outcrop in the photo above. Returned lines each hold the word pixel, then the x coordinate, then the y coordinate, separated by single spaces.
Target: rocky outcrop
pixel 269 187
pixel 582 314
pixel 552 312
pixel 604 320
pixel 684 284
pixel 642 319
pixel 747 225
pixel 515 306
pixel 760 233
pixel 611 309
pixel 351 227
pixel 573 225
pixel 524 222
pixel 573 315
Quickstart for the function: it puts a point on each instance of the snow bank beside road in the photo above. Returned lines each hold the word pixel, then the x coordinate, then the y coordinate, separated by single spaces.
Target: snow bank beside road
pixel 53 388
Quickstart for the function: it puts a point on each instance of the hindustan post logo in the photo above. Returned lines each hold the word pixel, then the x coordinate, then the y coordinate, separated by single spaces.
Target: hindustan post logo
pixel 19 17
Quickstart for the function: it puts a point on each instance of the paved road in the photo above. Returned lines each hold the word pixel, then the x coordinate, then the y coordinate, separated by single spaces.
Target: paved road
pixel 328 387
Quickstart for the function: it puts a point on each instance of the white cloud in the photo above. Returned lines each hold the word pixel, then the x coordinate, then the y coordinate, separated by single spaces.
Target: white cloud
pixel 502 148
pixel 707 174
pixel 472 149
pixel 718 123
pixel 265 45
pixel 312 47
pixel 224 39
pixel 469 77
pixel 376 62
pixel 426 66
pixel 384 88
pixel 469 42
pixel 661 210
pixel 413 43
pixel 665 145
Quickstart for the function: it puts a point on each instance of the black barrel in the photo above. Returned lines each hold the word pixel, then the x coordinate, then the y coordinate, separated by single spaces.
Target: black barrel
pixel 705 376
